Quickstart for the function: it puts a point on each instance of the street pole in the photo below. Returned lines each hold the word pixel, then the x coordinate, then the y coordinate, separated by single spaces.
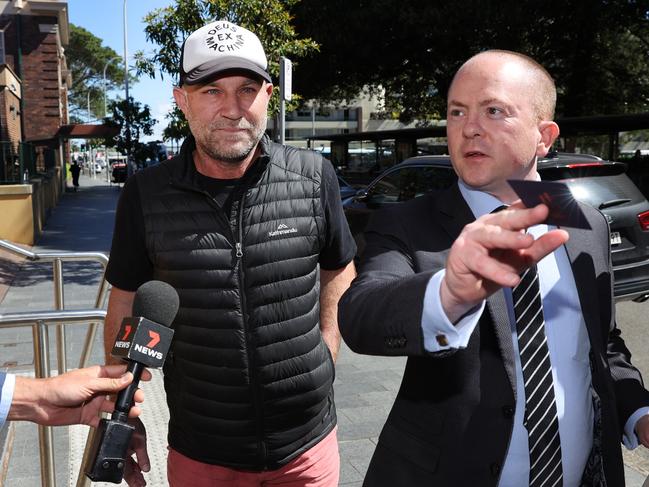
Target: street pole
pixel 125 54
pixel 285 93
pixel 126 118
pixel 105 68
pixel 88 152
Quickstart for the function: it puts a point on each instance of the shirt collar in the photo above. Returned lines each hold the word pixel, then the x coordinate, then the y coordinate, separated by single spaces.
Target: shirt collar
pixel 480 202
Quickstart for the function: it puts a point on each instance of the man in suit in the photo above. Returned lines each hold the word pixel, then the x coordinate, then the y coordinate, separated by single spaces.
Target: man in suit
pixel 456 287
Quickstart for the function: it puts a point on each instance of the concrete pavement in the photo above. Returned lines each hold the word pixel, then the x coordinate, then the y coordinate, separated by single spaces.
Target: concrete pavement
pixel 365 386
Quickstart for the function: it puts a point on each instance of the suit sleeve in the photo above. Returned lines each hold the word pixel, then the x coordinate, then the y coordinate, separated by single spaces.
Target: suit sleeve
pixel 381 312
pixel 630 392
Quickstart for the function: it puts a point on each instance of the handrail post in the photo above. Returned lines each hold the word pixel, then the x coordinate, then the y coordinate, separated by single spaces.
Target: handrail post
pixel 92 327
pixel 45 435
pixel 59 303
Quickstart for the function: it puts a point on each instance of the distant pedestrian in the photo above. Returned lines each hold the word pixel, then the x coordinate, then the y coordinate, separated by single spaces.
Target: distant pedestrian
pixel 75 170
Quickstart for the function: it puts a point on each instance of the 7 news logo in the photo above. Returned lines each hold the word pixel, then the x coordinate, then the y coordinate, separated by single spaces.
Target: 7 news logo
pixel 147 349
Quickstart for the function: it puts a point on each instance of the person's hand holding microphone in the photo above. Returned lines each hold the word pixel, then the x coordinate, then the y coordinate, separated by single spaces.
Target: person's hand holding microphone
pixel 143 340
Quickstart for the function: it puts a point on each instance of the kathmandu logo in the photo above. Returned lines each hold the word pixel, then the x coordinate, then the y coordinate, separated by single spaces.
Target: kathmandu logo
pixel 282 230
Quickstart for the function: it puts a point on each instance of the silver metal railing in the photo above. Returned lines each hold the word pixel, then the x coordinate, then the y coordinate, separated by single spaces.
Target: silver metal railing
pixel 39 320
pixel 57 259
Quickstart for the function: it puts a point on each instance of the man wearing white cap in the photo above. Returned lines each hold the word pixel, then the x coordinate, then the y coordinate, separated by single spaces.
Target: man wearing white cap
pixel 252 236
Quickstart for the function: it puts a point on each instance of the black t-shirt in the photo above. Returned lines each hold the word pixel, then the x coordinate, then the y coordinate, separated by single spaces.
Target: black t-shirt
pixel 129 265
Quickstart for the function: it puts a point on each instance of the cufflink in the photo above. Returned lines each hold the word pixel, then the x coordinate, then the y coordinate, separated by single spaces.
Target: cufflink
pixel 442 341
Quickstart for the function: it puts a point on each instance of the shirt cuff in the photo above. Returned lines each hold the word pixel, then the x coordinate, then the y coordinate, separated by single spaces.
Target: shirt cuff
pixel 630 439
pixel 6 396
pixel 439 333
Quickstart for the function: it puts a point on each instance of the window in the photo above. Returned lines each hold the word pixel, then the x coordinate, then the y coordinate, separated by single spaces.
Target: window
pixel 408 183
pixel 2 47
pixel 386 189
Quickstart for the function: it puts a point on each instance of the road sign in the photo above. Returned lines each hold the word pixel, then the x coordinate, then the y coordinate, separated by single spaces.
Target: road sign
pixel 286 78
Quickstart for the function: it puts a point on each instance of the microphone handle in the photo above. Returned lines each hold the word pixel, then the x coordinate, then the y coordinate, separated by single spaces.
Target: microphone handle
pixel 124 399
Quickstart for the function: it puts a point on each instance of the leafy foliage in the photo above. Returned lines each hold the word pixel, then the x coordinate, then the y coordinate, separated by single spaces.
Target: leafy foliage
pixel 177 128
pixel 596 50
pixel 134 121
pixel 86 58
pixel 270 20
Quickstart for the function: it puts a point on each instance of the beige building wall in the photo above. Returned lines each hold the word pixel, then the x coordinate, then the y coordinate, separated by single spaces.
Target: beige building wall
pixel 17 220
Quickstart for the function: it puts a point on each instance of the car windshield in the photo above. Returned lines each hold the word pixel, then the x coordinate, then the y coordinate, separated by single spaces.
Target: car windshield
pixel 594 183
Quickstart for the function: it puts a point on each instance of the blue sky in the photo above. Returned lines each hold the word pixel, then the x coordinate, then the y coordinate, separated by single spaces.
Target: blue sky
pixel 104 19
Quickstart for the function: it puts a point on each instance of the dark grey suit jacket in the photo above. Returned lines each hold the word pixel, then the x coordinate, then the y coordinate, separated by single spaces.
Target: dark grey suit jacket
pixel 453 417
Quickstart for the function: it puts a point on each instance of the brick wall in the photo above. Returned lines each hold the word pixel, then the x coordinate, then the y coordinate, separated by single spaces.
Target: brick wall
pixel 44 100
pixel 42 115
pixel 9 117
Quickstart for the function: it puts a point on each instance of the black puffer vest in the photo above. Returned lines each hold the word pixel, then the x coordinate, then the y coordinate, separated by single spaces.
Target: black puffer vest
pixel 249 380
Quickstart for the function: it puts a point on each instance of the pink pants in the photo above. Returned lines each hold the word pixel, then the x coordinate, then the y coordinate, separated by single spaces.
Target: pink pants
pixel 317 467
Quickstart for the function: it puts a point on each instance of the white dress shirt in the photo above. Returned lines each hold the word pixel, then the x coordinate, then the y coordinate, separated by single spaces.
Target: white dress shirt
pixel 569 349
pixel 7 384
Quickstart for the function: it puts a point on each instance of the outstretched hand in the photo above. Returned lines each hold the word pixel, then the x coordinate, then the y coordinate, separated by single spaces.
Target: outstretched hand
pixel 491 253
pixel 76 397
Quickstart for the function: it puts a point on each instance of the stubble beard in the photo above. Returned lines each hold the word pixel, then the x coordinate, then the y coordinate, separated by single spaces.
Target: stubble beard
pixel 210 140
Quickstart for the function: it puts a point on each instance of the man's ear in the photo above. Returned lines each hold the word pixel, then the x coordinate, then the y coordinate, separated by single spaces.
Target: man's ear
pixel 180 96
pixel 549 131
pixel 268 87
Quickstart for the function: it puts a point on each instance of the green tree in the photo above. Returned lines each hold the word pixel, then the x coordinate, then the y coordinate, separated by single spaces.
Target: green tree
pixel 177 128
pixel 410 49
pixel 270 19
pixel 134 121
pixel 86 58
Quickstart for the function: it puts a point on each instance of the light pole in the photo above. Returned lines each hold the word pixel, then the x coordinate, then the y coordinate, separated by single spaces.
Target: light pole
pixel 106 113
pixel 125 53
pixel 105 68
pixel 126 118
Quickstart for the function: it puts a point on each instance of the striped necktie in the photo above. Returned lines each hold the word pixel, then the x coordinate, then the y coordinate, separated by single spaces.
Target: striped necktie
pixel 541 419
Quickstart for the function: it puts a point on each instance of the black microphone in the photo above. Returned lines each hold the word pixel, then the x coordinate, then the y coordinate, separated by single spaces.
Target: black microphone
pixel 143 340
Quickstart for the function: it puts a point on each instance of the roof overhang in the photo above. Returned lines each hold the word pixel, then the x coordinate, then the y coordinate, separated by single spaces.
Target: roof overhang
pixel 87 131
pixel 51 7
pixel 569 126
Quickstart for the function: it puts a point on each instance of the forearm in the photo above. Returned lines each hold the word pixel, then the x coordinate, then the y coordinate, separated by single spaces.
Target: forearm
pixel 380 310
pixel 332 286
pixel 28 399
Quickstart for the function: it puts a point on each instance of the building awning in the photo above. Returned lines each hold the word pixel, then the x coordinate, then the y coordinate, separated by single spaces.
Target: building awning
pixel 87 131
pixel 409 133
pixel 569 126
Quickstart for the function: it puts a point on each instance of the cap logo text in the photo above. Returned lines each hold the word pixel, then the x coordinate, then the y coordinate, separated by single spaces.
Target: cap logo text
pixel 224 41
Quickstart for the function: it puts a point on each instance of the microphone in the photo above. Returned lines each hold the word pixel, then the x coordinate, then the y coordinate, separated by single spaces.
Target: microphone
pixel 143 340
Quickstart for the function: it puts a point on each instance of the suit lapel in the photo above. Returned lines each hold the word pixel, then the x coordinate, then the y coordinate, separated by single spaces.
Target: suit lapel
pixel 584 274
pixel 454 215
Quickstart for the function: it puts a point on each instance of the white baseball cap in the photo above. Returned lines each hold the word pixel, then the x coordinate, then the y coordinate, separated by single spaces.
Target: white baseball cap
pixel 221 46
